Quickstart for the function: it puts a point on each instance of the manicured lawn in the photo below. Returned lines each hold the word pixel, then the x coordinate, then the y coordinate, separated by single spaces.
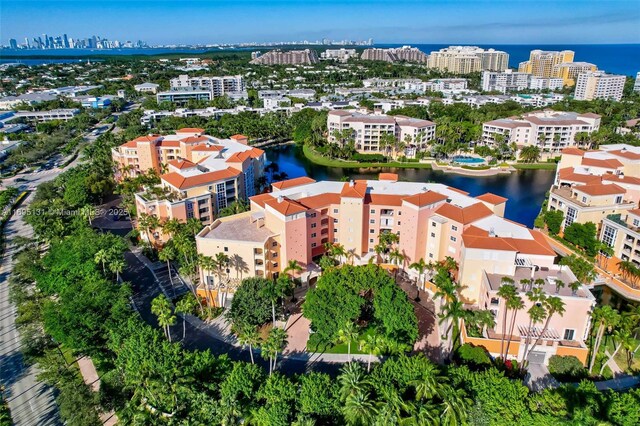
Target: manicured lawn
pixel 535 166
pixel 621 356
pixel 314 346
pixel 316 158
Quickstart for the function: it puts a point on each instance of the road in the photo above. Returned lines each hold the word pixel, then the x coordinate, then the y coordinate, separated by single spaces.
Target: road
pixel 31 402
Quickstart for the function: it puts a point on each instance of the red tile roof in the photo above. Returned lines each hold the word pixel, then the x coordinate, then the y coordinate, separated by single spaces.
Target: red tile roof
pixel 357 189
pixel 538 245
pixel 261 199
pixel 320 200
pixel 607 164
pixel 286 206
pixel 623 179
pixel 464 215
pixel 626 154
pixel 204 147
pixel 425 198
pixel 238 157
pixel 573 151
pixel 238 136
pixel 290 183
pixel 600 189
pixel 384 199
pixel 183 182
pixel 190 130
pixel 181 164
pixel 492 198
pixel 568 174
pixel 195 139
pixel 168 144
pixel 393 177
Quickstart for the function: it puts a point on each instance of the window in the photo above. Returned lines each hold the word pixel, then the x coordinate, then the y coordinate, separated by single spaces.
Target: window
pixel 495 301
pixel 372 221
pixel 313 235
pixel 636 222
pixel 584 199
pixel 312 215
pixel 226 249
pixel 313 225
pixel 335 220
pixel 433 224
pixel 372 231
pixel 275 265
pixel 399 223
pixel 618 199
pixel 313 245
pixel 274 255
pixel 371 240
pixel 572 214
pixel 373 211
pixel 454 228
pixel 274 244
pixel 568 334
pixel 609 235
pixel 430 255
pixel 335 210
pixel 433 235
pixel 454 239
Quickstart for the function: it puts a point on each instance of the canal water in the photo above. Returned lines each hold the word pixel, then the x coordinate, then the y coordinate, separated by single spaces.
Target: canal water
pixel 525 189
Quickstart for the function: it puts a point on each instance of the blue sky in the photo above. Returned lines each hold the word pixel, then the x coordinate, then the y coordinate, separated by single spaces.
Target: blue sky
pixel 427 21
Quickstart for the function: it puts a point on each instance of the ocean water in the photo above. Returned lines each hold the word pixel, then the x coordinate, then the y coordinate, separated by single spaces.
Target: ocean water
pixel 613 58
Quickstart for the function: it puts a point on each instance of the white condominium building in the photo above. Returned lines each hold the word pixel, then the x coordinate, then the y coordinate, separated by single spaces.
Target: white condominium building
pixel 551 131
pixel 636 85
pixel 342 55
pixel 513 81
pixel 219 86
pixel 541 62
pixel 368 129
pixel 599 85
pixel 468 59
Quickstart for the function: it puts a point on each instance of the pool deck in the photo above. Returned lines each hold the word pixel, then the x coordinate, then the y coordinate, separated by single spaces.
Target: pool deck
pixel 449 168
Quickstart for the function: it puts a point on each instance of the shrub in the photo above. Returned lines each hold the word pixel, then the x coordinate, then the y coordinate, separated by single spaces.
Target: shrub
pixel 473 356
pixel 553 219
pixel 566 368
pixel 369 158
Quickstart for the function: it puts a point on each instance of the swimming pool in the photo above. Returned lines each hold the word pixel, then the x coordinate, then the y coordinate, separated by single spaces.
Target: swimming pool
pixel 467 160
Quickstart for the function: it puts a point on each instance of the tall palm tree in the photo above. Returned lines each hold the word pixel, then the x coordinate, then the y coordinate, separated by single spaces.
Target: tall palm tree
pixel 102 256
pixel 293 267
pixel 116 266
pixel 553 305
pixel 148 223
pixel 359 409
pixel 506 292
pixel 272 292
pixel 452 311
pixel 420 267
pixel 185 306
pixel 515 304
pixel 161 308
pixel 428 384
pixel 348 334
pixel 352 379
pixel 537 313
pixel 605 318
pixel 248 336
pixel 167 254
pixel 373 344
pixel 172 226
pixel 275 342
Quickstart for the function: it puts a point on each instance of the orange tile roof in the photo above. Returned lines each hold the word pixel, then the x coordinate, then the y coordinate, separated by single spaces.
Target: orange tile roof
pixel 168 144
pixel 487 243
pixel 181 164
pixel 626 154
pixel 357 189
pixel 623 179
pixel 190 130
pixel 256 152
pixel 573 151
pixel 195 139
pixel 261 198
pixel 538 245
pixel 286 206
pixel 393 177
pixel 608 164
pixel 238 136
pixel 384 199
pixel 600 189
pixel 568 174
pixel 130 144
pixel 492 198
pixel 290 183
pixel 464 215
pixel 320 200
pixel 182 182
pixel 238 157
pixel 475 231
pixel 425 198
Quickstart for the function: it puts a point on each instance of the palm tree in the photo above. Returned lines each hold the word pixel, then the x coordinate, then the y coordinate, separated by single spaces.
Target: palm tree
pixel 102 256
pixel 421 267
pixel 161 308
pixel 352 379
pixel 454 406
pixel 553 305
pixel 537 313
pixel 515 304
pixel 275 342
pixel 530 154
pixel 248 336
pixel 148 223
pixel 374 345
pixel 294 267
pixel 116 266
pixel 506 292
pixel 348 334
pixel 185 306
pixel 172 226
pixel 359 409
pixel 606 318
pixel 271 290
pixel 167 254
pixel 453 311
pixel 428 384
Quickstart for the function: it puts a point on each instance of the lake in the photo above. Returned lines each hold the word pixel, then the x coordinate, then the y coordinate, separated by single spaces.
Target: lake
pixel 525 189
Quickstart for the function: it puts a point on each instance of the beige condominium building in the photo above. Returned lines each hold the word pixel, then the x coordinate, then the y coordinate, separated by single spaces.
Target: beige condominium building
pixel 397 54
pixel 433 222
pixel 621 232
pixel 551 131
pixel 569 71
pixel 289 57
pixel 199 174
pixel 599 85
pixel 541 62
pixel 468 59
pixel 368 129
pixel 589 186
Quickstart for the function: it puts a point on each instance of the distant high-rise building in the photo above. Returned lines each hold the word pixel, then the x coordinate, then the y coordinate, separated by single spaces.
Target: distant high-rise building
pixel 541 62
pixel 599 85
pixel 569 71
pixel 404 53
pixel 65 41
pixel 26 42
pixel 13 43
pixel 290 57
pixel 636 86
pixel 468 59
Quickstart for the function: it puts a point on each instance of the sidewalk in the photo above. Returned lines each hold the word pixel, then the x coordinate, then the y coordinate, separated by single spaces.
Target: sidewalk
pixel 90 376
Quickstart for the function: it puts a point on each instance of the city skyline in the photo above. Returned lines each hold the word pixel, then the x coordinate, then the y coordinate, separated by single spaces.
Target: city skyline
pixel 479 22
